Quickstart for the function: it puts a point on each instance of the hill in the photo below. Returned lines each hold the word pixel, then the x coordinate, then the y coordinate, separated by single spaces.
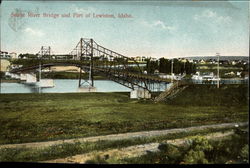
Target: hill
pixel 231 58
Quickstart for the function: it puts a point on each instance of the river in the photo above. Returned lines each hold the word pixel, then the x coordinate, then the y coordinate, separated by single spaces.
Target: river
pixel 71 85
pixel 64 86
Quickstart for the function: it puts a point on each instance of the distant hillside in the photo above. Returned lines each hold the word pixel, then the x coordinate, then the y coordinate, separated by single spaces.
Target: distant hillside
pixel 244 58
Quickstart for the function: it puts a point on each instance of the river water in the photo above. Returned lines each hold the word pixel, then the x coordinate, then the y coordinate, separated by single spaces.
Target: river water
pixel 71 85
pixel 62 86
pixel 65 86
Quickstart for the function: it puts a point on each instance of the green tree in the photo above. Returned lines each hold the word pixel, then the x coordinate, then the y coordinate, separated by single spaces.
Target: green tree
pixel 196 153
pixel 171 153
pixel 195 157
pixel 2 74
pixel 244 153
pixel 151 66
pixel 162 65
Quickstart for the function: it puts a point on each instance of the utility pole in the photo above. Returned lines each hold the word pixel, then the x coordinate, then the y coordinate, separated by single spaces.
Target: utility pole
pixel 80 58
pixel 218 70
pixel 91 63
pixel 172 70
pixel 40 72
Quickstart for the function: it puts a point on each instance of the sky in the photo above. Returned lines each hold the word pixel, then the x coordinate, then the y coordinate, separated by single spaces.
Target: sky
pixel 156 29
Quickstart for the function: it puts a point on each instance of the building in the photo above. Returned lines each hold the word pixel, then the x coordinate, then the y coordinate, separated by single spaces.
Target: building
pixel 153 59
pixel 183 60
pixel 13 55
pixel 233 62
pixel 139 59
pixel 202 62
pixel 4 55
pixel 204 76
pixel 230 73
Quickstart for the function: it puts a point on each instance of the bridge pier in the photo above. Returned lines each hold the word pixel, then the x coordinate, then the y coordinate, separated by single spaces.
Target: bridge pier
pixel 15 76
pixel 7 73
pixel 46 83
pixel 87 89
pixel 140 93
pixel 11 75
pixel 31 78
pixel 23 76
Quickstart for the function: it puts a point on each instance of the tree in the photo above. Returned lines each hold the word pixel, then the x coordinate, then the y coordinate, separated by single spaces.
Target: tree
pixel 162 65
pixel 2 74
pixel 151 66
pixel 165 65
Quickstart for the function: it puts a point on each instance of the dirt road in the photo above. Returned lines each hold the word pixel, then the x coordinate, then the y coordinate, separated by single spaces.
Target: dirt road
pixel 121 136
pixel 131 151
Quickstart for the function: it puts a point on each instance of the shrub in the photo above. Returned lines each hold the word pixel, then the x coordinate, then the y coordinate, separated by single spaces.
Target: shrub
pixel 195 157
pixel 244 153
pixel 195 154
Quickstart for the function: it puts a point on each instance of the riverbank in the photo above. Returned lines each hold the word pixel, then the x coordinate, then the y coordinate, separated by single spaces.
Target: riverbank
pixel 70 75
pixel 53 116
pixel 10 81
pixel 57 75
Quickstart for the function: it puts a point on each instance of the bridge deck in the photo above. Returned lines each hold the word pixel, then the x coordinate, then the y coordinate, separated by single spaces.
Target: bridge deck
pixel 114 72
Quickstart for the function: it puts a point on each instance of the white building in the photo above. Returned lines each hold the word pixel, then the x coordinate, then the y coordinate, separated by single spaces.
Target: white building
pixel 13 55
pixel 4 54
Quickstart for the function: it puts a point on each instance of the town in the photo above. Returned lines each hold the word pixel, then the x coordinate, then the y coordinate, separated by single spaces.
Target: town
pixel 204 67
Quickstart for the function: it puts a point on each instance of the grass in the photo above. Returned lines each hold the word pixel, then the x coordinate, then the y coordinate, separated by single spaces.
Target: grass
pixel 230 150
pixel 70 149
pixel 43 117
pixel 208 95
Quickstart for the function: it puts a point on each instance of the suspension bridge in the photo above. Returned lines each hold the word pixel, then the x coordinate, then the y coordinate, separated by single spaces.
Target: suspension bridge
pixel 93 58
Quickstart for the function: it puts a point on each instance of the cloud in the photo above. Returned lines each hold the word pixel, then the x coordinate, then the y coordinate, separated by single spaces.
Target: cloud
pixel 212 15
pixel 159 24
pixel 33 32
pixel 82 9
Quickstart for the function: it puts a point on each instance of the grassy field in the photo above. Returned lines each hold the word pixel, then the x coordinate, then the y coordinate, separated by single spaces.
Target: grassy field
pixel 231 150
pixel 42 117
pixel 71 149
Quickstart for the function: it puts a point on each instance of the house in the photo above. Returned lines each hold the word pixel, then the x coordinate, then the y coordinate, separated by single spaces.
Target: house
pixel 224 62
pixel 13 55
pixel 153 59
pixel 211 61
pixel 138 59
pixel 195 61
pixel 230 73
pixel 156 71
pixel 202 62
pixel 4 54
pixel 183 60
pixel 234 62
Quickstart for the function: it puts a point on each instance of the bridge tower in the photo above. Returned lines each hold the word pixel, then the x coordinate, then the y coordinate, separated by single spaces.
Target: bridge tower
pixel 45 52
pixel 85 53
